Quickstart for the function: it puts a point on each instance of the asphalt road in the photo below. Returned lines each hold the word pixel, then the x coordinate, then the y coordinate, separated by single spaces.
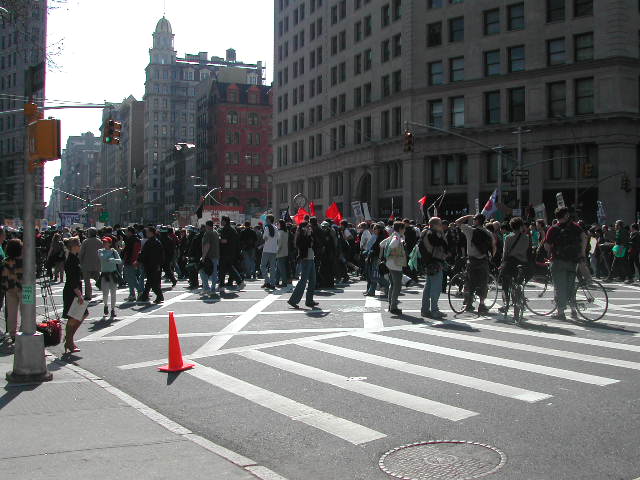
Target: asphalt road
pixel 323 394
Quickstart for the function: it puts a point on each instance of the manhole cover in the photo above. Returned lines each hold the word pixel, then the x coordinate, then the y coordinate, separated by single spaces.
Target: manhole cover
pixel 442 460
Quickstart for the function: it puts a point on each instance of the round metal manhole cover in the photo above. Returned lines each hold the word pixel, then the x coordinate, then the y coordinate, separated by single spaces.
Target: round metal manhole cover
pixel 442 460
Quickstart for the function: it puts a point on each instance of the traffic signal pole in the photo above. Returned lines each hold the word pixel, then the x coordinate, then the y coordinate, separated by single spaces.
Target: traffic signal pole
pixel 29 364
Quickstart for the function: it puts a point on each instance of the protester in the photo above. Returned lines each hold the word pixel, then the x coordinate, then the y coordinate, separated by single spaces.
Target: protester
pixel 11 284
pixel 210 260
pixel 132 272
pixel 305 243
pixel 152 258
pixel 516 252
pixel 393 253
pixel 72 290
pixel 229 254
pixel 435 249
pixel 269 254
pixel 109 276
pixel 282 257
pixel 56 258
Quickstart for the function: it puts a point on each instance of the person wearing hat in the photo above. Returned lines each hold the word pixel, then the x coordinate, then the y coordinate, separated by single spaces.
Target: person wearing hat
pixel 109 276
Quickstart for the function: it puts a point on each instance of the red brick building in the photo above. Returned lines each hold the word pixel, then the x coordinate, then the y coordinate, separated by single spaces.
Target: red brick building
pixel 234 140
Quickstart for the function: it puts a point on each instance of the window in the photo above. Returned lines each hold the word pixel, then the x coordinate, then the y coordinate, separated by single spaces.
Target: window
pixel 334 14
pixel 516 59
pixel 367 129
pixel 357 97
pixel 342 136
pixel 384 124
pixel 357 64
pixel 517 104
pixel 396 80
pixel 515 16
pixel 368 59
pixel 342 40
pixel 456 107
pixel 396 115
pixel 492 63
pixel 385 86
pixel 435 113
pixel 456 69
pixel 583 47
pixel 253 119
pixel 357 132
pixel 435 73
pixel 582 8
pixel 367 25
pixel 492 108
pixel 584 96
pixel 342 72
pixel 492 21
pixel 434 4
pixel 556 99
pixel 555 51
pixel 357 32
pixel 555 10
pixel 397 10
pixel 385 15
pixel 456 30
pixel 397 45
pixel 393 175
pixel 436 170
pixel 434 34
pixel 385 51
pixel 232 117
pixel 334 45
pixel 366 93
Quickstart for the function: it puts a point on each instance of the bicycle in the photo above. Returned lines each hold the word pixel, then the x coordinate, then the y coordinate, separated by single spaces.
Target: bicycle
pixel 515 295
pixel 590 301
pixel 456 292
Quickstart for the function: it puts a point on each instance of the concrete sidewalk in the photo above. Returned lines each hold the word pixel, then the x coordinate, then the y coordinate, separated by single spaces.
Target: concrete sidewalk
pixel 78 426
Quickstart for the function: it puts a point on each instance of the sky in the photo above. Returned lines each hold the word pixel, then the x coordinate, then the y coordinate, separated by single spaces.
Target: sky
pixel 104 49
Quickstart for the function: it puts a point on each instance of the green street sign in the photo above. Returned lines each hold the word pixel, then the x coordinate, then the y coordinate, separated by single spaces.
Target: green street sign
pixel 104 217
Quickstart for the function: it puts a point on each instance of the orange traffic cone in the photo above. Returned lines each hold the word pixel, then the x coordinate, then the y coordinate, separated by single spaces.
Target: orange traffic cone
pixel 176 362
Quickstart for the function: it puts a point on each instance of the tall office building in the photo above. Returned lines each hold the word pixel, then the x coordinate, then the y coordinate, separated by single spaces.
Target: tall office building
pixel 349 74
pixel 170 107
pixel 23 44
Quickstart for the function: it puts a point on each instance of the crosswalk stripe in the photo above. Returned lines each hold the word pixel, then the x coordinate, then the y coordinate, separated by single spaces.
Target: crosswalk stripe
pixel 504 362
pixel 129 320
pixel 532 348
pixel 377 392
pixel 444 376
pixel 562 338
pixel 216 343
pixel 339 427
pixel 373 320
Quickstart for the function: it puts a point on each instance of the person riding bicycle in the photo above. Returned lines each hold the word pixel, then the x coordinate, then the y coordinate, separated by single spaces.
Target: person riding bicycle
pixel 481 247
pixel 567 243
pixel 515 252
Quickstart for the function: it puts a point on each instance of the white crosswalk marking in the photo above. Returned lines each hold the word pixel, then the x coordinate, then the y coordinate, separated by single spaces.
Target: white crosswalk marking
pixel 373 320
pixel 377 392
pixel 339 427
pixel 216 343
pixel 504 362
pixel 444 376
pixel 532 348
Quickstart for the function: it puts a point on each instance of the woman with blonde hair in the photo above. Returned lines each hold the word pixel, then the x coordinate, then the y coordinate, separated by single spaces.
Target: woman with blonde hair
pixel 72 290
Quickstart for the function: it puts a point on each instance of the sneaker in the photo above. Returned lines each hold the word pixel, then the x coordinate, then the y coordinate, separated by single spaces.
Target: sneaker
pixel 559 316
pixel 241 285
pixel 143 298
pixel 395 311
pixel 130 298
pixel 426 314
pixel 214 296
pixel 503 310
pixel 294 305
pixel 113 314
pixel 311 304
pixel 482 309
pixel 264 285
pixel 574 314
pixel 158 300
pixel 469 308
pixel 438 315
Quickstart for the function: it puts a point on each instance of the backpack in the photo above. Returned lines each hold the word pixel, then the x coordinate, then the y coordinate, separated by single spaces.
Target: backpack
pixel 567 243
pixel 424 254
pixel 482 240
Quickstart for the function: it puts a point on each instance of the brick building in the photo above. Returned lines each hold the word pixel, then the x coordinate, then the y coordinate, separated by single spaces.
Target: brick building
pixel 234 130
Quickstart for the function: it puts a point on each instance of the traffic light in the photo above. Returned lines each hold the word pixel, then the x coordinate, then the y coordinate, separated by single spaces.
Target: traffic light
pixel 43 137
pixel 408 141
pixel 587 170
pixel 625 183
pixel 111 131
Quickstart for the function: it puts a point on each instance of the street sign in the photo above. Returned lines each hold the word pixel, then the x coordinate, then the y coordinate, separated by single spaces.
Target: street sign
pixel 104 217
pixel 560 200
pixel 28 294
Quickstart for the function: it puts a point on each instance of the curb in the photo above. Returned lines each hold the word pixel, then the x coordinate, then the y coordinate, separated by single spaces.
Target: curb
pixel 250 466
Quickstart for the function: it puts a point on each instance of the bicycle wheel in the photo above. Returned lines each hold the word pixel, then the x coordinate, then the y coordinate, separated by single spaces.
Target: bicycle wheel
pixel 592 301
pixel 519 301
pixel 492 292
pixel 540 297
pixel 456 293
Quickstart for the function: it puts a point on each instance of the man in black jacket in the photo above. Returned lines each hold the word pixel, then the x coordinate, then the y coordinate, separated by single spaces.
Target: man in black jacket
pixel 229 253
pixel 152 257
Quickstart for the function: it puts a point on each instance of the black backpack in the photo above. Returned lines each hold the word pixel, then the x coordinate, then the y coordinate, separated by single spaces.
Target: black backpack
pixel 482 240
pixel 425 256
pixel 567 243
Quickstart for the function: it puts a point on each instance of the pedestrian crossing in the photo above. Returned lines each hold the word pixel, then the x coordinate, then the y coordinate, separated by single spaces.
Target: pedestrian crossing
pixel 571 366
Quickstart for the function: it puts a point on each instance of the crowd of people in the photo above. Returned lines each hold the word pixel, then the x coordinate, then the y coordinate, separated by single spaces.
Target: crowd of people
pixel 320 255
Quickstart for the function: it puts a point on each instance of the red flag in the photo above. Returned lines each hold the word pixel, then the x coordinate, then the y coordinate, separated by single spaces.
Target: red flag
pixel 333 212
pixel 299 217
pixel 312 209
pixel 423 206
pixel 392 216
pixel 422 201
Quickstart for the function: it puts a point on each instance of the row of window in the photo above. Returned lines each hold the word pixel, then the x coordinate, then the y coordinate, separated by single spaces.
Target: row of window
pixel 253 119
pixel 233 158
pixel 492 61
pixel 252 182
pixel 515 20
pixel 233 138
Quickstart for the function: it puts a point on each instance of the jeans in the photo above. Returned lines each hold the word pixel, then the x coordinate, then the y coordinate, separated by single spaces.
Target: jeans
pixel 396 285
pixel 249 262
pixel 268 267
pixel 213 278
pixel 282 272
pixel 564 280
pixel 431 293
pixel 134 278
pixel 371 269
pixel 308 275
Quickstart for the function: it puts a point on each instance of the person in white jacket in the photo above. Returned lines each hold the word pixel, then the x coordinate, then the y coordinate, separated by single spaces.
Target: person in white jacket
pixel 282 257
pixel 392 251
pixel 269 252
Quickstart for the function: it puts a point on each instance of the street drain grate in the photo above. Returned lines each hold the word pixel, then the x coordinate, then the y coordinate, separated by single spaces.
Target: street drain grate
pixel 442 460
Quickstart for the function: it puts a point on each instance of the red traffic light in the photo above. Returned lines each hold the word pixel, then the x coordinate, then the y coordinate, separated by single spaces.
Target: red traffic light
pixel 408 141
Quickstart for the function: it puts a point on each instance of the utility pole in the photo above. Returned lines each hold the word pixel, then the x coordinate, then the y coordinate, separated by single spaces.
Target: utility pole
pixel 29 363
pixel 499 149
pixel 519 133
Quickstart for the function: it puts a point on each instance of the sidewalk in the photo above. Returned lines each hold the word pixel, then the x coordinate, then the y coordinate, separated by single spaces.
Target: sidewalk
pixel 78 426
